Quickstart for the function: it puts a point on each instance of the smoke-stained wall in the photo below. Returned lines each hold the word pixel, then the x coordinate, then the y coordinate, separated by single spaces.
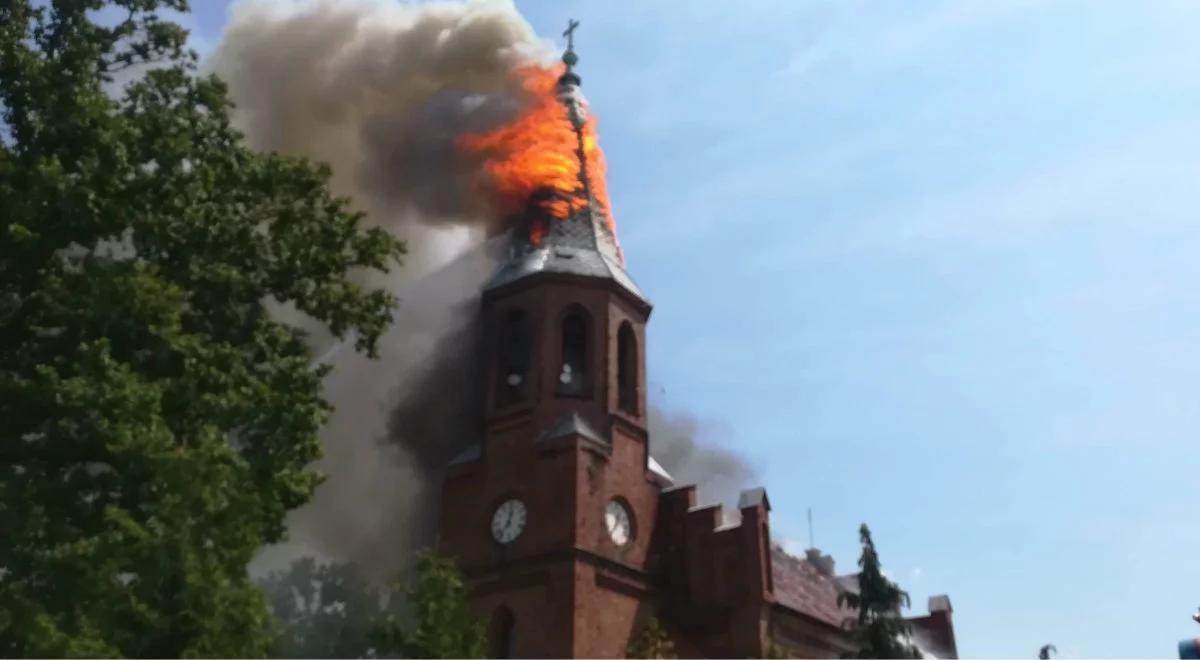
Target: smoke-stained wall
pixel 381 92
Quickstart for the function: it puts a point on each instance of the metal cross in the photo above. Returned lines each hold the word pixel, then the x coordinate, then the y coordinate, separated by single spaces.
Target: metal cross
pixel 570 33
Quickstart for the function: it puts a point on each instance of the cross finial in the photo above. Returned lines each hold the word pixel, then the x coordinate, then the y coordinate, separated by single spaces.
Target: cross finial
pixel 570 58
pixel 570 33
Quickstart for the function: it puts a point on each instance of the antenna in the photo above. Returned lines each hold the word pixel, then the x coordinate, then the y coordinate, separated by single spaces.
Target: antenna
pixel 811 541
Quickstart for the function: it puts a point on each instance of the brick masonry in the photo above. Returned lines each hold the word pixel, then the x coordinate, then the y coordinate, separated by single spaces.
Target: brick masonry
pixel 563 587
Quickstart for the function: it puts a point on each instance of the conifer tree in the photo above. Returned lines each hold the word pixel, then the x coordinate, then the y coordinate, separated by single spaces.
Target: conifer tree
pixel 880 631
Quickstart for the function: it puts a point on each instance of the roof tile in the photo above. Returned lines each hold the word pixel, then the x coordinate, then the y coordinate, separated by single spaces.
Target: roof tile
pixel 800 586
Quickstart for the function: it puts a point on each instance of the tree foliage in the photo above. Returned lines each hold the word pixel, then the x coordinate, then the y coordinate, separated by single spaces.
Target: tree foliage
pixel 651 642
pixel 444 625
pixel 880 631
pixel 155 421
pixel 776 652
pixel 325 610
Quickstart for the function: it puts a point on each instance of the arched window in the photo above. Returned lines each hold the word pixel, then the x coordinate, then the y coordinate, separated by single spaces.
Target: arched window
pixel 572 373
pixel 513 370
pixel 627 369
pixel 500 633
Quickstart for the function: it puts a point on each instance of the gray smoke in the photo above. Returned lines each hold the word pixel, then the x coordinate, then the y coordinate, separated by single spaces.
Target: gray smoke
pixel 381 91
pixel 690 450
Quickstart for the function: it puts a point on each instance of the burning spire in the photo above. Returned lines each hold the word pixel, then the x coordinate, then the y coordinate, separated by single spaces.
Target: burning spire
pixel 546 166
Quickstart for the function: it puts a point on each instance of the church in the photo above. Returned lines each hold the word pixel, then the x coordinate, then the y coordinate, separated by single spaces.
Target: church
pixel 571 535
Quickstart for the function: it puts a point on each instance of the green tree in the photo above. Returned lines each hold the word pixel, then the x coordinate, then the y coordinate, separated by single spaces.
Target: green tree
pixel 652 642
pixel 156 422
pixel 880 630
pixel 444 626
pixel 325 610
pixel 775 652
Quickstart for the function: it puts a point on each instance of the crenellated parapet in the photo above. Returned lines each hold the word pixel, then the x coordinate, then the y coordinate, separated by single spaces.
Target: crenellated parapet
pixel 717 568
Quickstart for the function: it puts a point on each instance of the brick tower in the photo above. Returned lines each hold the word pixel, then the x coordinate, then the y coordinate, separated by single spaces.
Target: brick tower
pixel 551 514
pixel 570 534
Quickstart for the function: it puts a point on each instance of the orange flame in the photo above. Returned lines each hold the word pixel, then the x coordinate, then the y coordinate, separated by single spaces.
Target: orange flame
pixel 535 157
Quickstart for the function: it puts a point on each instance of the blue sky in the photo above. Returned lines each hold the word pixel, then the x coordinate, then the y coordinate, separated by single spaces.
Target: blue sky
pixel 935 264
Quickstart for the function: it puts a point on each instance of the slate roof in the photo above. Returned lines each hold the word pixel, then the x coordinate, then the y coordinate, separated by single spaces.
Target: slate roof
pixel 570 425
pixel 583 243
pixel 527 260
pixel 664 478
pixel 799 586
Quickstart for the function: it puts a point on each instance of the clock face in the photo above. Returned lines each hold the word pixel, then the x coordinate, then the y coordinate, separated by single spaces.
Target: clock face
pixel 508 521
pixel 618 523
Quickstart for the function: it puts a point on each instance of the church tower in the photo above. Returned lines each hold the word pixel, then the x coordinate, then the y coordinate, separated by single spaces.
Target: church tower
pixel 551 514
pixel 570 535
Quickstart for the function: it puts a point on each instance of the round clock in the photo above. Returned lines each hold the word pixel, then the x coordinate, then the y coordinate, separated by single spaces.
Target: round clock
pixel 618 522
pixel 508 521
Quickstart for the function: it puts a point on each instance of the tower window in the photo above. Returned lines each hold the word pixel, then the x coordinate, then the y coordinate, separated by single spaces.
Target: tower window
pixel 515 352
pixel 572 373
pixel 627 369
pixel 500 633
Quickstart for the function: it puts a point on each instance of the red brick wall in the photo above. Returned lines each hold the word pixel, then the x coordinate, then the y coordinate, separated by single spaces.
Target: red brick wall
pixel 540 600
pixel 509 469
pixel 563 574
pixel 571 590
pixel 805 637
pixel 611 606
pixel 935 633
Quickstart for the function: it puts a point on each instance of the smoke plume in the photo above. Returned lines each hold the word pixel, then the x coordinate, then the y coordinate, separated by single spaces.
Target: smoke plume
pixel 690 450
pixel 381 92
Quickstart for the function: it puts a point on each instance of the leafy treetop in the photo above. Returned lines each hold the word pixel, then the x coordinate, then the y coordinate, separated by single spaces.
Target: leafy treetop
pixel 157 420
pixel 444 625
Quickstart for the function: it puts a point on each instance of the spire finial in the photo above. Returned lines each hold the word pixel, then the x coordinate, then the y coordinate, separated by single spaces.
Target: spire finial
pixel 570 58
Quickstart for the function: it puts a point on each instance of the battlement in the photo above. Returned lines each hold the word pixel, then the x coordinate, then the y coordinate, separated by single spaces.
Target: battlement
pixel 718 567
